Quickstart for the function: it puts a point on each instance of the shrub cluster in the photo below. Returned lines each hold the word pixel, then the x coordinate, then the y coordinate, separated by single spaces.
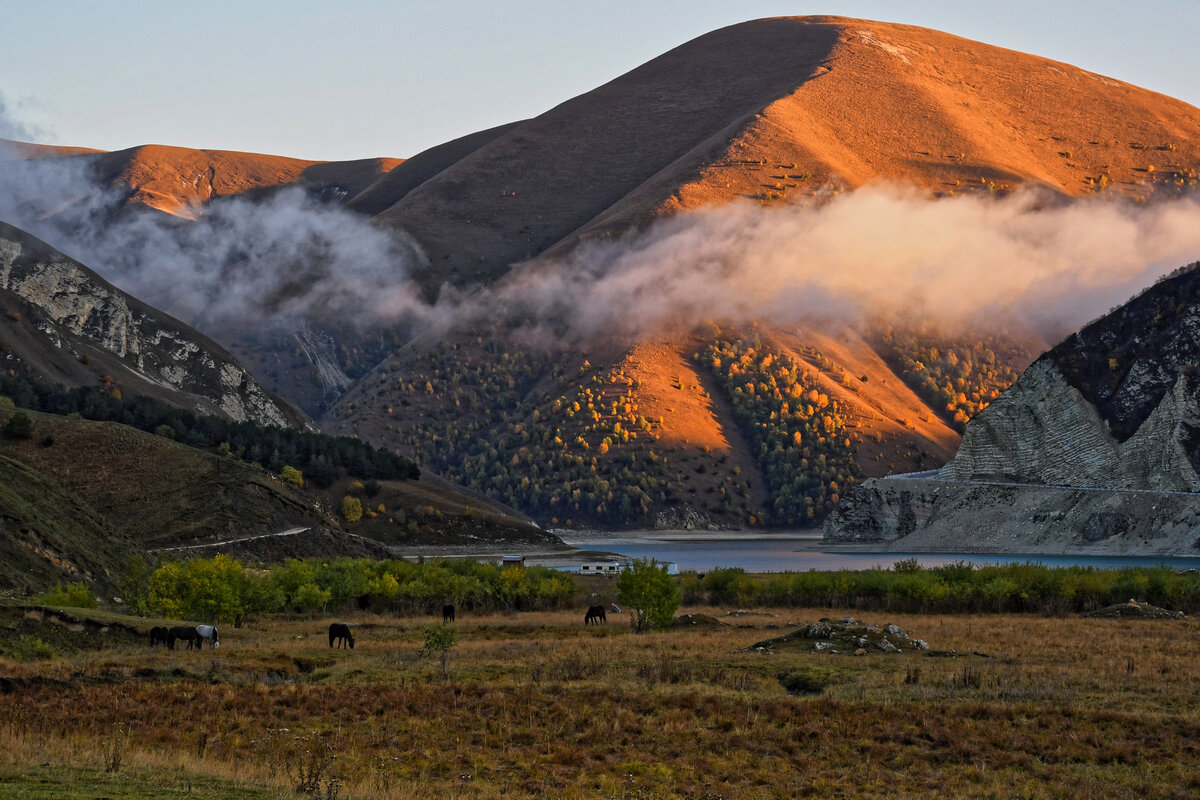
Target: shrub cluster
pixel 953 588
pixel 73 595
pixel 798 432
pixel 957 376
pixel 223 589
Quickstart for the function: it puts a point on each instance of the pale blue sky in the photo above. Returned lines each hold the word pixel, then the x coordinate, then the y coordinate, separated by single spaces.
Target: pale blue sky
pixel 326 80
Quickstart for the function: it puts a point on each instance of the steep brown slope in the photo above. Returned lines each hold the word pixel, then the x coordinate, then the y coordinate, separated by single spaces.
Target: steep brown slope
pixel 178 179
pixel 779 109
pixel 398 182
pixel 12 149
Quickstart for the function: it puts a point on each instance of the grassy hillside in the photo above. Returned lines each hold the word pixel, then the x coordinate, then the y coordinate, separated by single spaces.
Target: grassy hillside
pixel 79 497
pixel 179 180
pixel 48 535
pixel 157 491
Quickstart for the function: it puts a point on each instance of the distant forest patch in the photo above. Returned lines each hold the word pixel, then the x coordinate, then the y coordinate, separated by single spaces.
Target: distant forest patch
pixel 321 458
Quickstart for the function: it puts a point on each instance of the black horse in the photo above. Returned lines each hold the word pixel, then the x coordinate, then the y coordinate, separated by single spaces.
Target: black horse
pixel 340 632
pixel 158 635
pixel 448 613
pixel 596 615
pixel 187 633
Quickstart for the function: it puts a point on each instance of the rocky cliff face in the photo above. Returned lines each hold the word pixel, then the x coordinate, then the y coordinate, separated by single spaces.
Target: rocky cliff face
pixel 933 515
pixel 1096 447
pixel 1043 431
pixel 64 323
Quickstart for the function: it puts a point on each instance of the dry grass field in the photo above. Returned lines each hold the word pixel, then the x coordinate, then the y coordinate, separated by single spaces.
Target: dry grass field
pixel 538 705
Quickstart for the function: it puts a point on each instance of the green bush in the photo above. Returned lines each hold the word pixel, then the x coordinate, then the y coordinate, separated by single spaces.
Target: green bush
pixel 651 593
pixel 351 509
pixel 31 648
pixel 309 598
pixel 439 641
pixel 292 475
pixel 74 595
pixel 19 426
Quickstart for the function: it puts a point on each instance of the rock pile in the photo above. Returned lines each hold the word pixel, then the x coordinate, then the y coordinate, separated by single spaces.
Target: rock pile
pixel 697 620
pixel 843 636
pixel 1135 610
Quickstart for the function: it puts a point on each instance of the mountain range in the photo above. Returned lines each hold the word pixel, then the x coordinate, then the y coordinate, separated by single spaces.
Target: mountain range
pixel 699 421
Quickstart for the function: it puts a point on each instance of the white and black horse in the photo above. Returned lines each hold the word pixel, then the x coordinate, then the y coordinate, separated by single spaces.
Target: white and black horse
pixel 208 632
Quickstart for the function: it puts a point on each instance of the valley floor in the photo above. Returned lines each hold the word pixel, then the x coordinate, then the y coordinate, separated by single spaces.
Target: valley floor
pixel 535 704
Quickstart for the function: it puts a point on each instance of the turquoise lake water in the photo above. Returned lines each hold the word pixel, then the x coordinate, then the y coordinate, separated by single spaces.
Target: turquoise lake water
pixel 803 551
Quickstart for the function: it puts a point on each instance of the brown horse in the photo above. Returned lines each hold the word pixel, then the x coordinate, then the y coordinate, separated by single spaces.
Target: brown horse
pixel 595 615
pixel 448 613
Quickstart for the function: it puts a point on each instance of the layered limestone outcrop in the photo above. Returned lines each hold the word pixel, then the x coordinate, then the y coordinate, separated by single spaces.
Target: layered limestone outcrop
pixel 1038 471
pixel 1043 431
pixel 933 515
pixel 74 310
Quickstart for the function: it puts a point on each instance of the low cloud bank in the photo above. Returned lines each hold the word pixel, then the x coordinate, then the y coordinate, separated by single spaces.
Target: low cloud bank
pixel 282 256
pixel 876 253
pixel 979 262
pixel 13 126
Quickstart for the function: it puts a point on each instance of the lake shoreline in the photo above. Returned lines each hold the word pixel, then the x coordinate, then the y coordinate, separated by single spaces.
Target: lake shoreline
pixel 764 552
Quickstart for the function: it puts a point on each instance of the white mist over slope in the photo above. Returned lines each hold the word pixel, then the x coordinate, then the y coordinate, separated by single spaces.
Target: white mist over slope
pixel 12 126
pixel 885 252
pixel 876 253
pixel 283 255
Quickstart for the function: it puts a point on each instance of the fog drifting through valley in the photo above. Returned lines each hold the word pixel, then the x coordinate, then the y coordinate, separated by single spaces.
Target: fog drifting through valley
pixel 875 253
pixel 880 252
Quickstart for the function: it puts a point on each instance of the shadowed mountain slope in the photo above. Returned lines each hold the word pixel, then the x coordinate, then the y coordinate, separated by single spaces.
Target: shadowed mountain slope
pixel 78 498
pixel 48 535
pixel 405 177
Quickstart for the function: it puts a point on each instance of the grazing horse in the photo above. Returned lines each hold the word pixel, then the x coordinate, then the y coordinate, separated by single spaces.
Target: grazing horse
pixel 340 632
pixel 185 632
pixel 448 613
pixel 158 635
pixel 596 615
pixel 208 632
